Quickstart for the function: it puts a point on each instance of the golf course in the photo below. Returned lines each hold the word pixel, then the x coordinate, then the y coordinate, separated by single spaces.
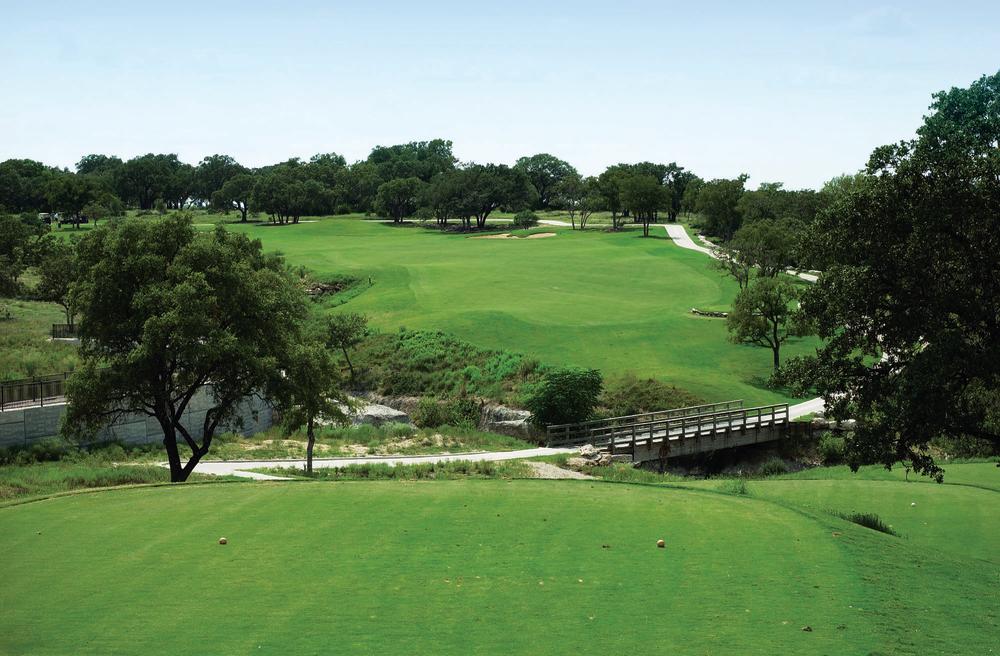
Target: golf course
pixel 606 300
pixel 508 566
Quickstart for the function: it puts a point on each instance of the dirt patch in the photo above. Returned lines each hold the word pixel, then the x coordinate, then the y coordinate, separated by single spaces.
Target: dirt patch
pixel 288 444
pixel 546 470
pixel 399 445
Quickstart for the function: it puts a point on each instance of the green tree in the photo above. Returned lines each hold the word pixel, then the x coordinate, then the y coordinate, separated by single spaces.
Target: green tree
pixel 544 172
pixel 311 392
pixel 417 159
pixel 765 245
pixel 235 194
pixel 644 196
pixel 57 272
pixel 24 185
pixel 609 188
pixel 399 198
pixel 164 311
pixel 718 205
pixel 567 195
pixel 212 173
pixel 68 194
pixel 763 314
pixel 344 332
pixel 488 187
pixel 565 396
pixel 909 304
pixel 676 181
pixel 21 239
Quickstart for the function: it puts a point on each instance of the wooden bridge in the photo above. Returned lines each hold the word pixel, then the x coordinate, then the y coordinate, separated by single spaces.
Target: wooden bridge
pixel 681 432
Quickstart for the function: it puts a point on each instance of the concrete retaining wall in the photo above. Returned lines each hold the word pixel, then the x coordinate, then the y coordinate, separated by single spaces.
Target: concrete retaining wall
pixel 30 425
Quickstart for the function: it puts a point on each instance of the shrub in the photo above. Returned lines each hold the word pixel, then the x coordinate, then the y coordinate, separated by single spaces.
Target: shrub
pixel 772 467
pixel 431 413
pixel 630 395
pixel 525 219
pixel 564 396
pixel 737 486
pixel 868 520
pixel 831 449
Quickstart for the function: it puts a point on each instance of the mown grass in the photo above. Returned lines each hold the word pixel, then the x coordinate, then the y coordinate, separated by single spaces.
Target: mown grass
pixel 540 567
pixel 612 301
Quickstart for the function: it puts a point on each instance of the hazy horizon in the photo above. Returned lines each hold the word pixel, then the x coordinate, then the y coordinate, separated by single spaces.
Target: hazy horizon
pixel 787 92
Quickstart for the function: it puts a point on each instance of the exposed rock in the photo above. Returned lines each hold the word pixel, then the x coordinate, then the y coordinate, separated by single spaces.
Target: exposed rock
pixel 506 421
pixel 589 451
pixel 376 415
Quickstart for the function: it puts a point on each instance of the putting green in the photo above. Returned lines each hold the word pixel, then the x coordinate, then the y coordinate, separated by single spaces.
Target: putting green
pixel 612 301
pixel 458 567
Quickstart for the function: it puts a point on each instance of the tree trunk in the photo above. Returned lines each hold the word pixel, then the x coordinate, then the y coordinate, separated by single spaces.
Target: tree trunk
pixel 349 365
pixel 173 454
pixel 777 345
pixel 311 435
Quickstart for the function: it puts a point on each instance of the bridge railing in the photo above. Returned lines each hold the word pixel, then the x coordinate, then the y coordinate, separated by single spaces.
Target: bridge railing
pixel 687 427
pixel 30 392
pixel 585 432
pixel 678 427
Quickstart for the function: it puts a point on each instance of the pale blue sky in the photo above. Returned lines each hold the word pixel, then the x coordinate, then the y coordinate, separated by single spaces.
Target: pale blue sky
pixel 791 91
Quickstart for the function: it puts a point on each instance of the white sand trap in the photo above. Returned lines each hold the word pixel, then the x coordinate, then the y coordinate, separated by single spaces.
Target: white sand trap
pixel 502 235
pixel 507 235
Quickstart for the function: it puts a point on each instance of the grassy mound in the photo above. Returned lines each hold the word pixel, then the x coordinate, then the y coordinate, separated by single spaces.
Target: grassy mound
pixel 472 566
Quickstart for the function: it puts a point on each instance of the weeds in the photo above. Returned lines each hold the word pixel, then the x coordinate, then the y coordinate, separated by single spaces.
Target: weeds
pixel 868 520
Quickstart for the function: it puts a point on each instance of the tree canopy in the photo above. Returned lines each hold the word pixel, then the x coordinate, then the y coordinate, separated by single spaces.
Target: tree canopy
pixel 165 311
pixel 909 304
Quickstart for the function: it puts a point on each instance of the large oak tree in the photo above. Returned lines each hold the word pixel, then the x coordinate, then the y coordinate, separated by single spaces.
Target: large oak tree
pixel 166 311
pixel 910 300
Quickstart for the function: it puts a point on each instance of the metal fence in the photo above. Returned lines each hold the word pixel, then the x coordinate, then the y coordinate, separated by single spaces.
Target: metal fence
pixel 29 392
pixel 63 330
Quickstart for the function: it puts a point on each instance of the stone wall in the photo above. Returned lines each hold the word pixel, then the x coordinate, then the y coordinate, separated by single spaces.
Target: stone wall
pixel 30 425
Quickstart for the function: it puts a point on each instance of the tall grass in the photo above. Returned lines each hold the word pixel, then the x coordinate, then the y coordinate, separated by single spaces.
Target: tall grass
pixel 868 520
pixel 423 471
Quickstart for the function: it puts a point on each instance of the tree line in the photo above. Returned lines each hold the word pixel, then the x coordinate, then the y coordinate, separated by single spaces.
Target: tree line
pixel 421 179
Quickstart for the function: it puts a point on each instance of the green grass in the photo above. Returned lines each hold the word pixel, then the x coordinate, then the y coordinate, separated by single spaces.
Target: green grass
pixel 19 481
pixel 474 566
pixel 25 348
pixel 613 301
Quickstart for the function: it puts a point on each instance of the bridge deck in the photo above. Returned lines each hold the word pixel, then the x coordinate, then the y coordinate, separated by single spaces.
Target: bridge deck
pixel 679 432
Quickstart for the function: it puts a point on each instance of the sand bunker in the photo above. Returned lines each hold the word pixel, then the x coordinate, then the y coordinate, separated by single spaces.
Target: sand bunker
pixel 507 235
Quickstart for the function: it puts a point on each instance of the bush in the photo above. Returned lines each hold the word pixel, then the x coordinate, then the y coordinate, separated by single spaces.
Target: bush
pixel 831 449
pixel 630 395
pixel 461 412
pixel 564 396
pixel 772 467
pixel 737 486
pixel 525 219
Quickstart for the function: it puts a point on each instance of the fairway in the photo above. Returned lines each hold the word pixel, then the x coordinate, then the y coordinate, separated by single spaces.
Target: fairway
pixel 611 301
pixel 459 567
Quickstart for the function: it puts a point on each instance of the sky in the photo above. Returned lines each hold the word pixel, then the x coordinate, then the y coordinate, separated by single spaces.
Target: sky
pixel 796 92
